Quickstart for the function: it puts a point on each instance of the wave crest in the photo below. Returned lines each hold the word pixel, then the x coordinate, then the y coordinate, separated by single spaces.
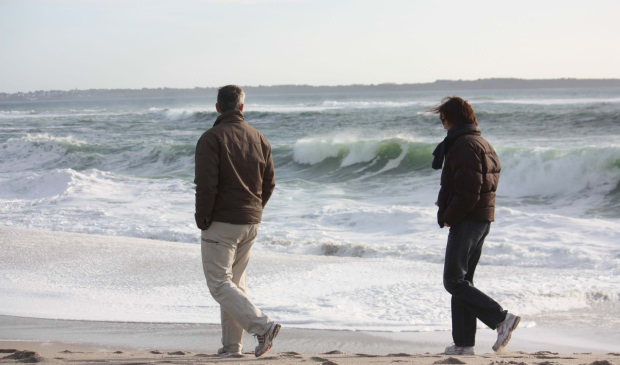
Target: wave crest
pixel 352 158
pixel 550 173
pixel 34 152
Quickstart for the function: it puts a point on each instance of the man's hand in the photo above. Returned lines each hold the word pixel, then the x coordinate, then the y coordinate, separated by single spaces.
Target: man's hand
pixel 202 223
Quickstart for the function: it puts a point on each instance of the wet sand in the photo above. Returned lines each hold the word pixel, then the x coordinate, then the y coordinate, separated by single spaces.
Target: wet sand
pixel 60 353
pixel 87 342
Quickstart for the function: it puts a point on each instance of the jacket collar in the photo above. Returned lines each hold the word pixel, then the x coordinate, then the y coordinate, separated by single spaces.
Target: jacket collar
pixel 455 132
pixel 231 116
pixel 463 130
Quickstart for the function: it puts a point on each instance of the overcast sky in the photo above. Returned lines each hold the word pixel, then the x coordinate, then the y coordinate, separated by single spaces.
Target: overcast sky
pixel 83 44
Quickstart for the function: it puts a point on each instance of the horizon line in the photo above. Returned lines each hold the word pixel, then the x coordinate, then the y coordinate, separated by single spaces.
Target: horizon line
pixel 438 82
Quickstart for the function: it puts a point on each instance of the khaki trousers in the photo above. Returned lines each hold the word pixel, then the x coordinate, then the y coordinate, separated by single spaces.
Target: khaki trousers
pixel 225 255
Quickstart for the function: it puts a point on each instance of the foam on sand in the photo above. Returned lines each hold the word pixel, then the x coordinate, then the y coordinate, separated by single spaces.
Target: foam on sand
pixel 89 277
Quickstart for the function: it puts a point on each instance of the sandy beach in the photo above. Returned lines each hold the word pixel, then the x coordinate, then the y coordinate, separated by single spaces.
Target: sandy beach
pixel 61 353
pixel 64 342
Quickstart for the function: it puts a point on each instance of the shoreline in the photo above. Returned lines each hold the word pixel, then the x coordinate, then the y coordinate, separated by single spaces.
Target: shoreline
pixel 63 353
pixel 206 338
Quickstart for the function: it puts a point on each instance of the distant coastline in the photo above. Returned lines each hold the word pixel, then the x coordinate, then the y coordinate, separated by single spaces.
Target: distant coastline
pixel 447 85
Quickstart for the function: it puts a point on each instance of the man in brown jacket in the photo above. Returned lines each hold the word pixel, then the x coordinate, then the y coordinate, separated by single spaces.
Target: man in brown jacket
pixel 467 205
pixel 234 180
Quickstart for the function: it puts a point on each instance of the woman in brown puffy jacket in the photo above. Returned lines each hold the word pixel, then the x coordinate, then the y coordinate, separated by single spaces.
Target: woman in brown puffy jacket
pixel 467 205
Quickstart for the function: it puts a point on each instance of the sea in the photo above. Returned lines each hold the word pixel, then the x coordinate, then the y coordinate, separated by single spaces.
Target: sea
pixel 349 239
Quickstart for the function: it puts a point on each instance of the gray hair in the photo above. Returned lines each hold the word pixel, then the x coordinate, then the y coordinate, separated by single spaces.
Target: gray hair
pixel 230 97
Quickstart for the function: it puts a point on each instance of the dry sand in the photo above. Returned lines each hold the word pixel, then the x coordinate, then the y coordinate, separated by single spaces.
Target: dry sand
pixel 58 353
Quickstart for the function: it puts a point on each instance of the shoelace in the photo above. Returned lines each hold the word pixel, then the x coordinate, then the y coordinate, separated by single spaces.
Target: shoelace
pixel 260 338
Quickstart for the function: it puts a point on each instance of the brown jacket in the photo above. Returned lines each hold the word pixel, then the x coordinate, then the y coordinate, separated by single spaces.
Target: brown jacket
pixel 234 172
pixel 469 179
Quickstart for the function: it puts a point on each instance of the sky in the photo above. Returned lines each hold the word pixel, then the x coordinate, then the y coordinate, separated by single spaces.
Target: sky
pixel 107 44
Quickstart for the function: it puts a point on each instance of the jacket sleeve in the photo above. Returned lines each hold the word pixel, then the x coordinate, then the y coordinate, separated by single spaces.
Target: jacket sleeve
pixel 269 178
pixel 206 178
pixel 467 179
pixel 441 206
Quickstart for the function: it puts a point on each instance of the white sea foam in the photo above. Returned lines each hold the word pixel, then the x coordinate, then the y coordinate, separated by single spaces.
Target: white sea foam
pixel 574 173
pixel 178 113
pixel 45 151
pixel 99 202
pixel 398 226
pixel 11 114
pixel 545 172
pixel 375 104
pixel 349 148
pixel 71 276
pixel 46 137
pixel 35 150
pixel 352 150
pixel 35 186
pixel 54 114
pixel 327 105
pixel 554 101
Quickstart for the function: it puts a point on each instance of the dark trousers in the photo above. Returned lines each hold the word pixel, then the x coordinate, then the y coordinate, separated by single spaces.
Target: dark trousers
pixel 468 303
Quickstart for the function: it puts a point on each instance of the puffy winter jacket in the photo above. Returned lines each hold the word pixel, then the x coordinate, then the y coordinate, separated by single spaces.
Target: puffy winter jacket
pixel 469 179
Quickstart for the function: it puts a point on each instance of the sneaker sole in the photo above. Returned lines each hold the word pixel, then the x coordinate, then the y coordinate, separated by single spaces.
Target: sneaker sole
pixel 276 330
pixel 514 327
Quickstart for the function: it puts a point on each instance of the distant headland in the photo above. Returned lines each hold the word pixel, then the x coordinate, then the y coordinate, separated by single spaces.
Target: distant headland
pixel 439 85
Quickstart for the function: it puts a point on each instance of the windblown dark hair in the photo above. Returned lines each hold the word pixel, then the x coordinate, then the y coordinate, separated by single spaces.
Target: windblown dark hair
pixel 230 97
pixel 456 110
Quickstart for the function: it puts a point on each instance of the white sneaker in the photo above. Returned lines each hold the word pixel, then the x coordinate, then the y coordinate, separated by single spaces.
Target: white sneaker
pixel 223 353
pixel 504 331
pixel 459 350
pixel 264 341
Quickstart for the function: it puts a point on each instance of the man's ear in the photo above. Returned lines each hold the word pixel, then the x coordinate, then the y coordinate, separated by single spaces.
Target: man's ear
pixel 241 108
pixel 217 107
